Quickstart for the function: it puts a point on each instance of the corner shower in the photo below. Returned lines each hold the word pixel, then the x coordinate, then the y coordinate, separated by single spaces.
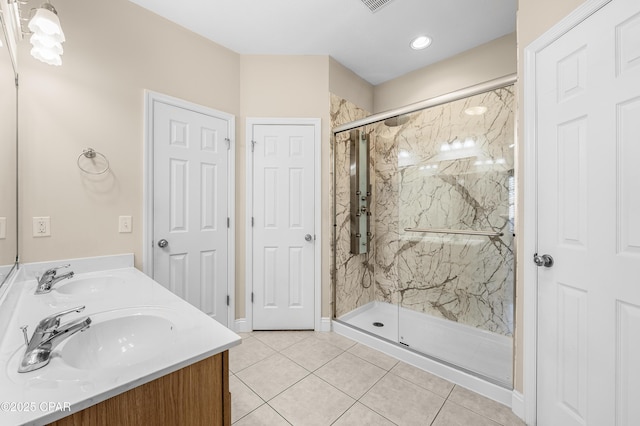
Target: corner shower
pixel 424 222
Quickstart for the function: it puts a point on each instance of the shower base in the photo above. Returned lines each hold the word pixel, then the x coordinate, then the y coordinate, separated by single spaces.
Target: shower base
pixel 479 352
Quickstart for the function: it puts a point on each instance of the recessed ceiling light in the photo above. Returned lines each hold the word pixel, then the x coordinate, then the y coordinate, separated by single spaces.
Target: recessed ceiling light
pixel 476 110
pixel 420 42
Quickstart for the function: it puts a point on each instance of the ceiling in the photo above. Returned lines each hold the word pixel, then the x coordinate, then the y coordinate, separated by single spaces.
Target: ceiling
pixel 373 45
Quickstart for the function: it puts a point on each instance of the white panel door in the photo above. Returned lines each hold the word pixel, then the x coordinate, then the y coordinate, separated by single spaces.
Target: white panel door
pixel 190 206
pixel 283 230
pixel 588 135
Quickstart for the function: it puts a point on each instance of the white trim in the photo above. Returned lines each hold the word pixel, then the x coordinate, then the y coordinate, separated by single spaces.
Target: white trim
pixel 517 404
pixel 150 98
pixel 316 122
pixel 242 326
pixel 530 239
pixel 476 384
pixel 325 324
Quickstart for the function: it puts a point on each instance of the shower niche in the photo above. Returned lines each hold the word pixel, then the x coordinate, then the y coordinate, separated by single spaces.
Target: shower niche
pixel 423 241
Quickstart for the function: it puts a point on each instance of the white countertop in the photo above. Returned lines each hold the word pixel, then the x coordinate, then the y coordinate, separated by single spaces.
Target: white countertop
pixel 33 397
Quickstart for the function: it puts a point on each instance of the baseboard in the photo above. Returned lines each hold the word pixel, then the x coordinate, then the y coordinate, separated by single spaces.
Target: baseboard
pixel 242 326
pixel 325 324
pixel 517 404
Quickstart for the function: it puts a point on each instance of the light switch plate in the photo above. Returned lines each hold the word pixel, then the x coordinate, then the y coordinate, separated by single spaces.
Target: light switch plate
pixel 42 226
pixel 124 224
pixel 3 228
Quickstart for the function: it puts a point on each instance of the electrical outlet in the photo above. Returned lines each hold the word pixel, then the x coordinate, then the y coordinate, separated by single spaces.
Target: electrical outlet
pixel 124 224
pixel 3 228
pixel 42 226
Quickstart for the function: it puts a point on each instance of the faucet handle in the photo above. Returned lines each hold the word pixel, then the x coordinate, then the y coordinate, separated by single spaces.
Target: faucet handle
pixel 52 271
pixel 25 334
pixel 50 323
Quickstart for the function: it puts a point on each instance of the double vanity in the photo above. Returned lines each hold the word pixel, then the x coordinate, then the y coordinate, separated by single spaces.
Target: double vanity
pixel 107 345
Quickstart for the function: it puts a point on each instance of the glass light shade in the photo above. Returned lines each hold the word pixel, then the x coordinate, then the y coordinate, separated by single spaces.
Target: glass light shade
pixel 47 22
pixel 47 56
pixel 45 42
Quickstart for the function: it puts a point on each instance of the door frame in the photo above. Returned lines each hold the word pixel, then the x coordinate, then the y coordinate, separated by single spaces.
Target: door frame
pixel 317 174
pixel 150 98
pixel 530 239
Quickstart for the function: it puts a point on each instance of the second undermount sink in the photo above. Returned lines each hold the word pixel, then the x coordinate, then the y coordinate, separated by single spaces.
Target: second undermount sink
pixel 90 285
pixel 119 342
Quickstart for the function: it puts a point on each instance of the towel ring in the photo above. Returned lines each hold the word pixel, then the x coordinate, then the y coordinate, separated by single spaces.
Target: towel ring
pixel 91 153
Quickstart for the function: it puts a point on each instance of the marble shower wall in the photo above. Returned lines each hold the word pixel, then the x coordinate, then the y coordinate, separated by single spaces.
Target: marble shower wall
pixel 445 169
pixel 354 273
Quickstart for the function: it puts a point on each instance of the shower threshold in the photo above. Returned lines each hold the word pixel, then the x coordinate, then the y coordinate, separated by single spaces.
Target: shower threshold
pixel 483 354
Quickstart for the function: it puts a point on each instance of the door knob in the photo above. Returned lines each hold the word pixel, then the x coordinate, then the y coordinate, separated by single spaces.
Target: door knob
pixel 544 260
pixel 163 243
pixel 308 237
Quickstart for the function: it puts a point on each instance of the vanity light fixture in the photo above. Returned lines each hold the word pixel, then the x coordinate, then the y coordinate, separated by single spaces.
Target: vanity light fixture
pixel 420 42
pixel 47 36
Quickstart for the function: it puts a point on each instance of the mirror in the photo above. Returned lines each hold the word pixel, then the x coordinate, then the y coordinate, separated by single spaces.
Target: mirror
pixel 8 154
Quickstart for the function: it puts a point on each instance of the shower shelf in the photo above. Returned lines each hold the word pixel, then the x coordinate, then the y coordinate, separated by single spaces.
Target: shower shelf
pixel 454 231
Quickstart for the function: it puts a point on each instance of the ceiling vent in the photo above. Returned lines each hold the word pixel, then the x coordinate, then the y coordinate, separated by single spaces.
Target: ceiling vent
pixel 375 5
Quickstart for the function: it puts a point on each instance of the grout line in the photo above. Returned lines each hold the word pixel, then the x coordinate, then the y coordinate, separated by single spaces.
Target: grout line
pixel 278 413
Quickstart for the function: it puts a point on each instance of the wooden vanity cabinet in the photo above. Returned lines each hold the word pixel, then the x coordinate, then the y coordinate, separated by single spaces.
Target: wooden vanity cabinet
pixel 196 395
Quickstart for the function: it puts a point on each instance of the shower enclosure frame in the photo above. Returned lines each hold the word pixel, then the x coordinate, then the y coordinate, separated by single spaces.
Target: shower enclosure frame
pixel 466 378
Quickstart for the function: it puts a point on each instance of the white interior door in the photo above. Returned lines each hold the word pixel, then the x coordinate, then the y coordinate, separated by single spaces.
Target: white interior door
pixel 190 222
pixel 588 136
pixel 283 226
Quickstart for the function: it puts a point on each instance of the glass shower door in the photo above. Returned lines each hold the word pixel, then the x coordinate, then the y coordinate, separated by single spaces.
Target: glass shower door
pixel 455 232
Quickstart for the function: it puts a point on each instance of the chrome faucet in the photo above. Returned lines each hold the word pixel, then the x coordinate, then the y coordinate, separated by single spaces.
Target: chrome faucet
pixel 47 335
pixel 49 278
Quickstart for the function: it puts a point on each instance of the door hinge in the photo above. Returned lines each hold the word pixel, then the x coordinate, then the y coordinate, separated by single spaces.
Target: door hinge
pixel 228 143
pixel 253 145
pixel 228 299
pixel 252 221
pixel 228 222
pixel 251 297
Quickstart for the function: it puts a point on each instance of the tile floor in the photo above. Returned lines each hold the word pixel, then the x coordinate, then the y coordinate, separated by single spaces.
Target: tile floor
pixel 304 378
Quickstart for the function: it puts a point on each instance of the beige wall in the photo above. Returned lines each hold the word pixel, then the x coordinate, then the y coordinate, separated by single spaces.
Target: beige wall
pixel 7 157
pixel 114 51
pixel 287 87
pixel 348 85
pixel 485 62
pixel 534 18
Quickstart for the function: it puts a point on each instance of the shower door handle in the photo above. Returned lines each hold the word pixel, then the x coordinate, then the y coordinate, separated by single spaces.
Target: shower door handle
pixel 544 260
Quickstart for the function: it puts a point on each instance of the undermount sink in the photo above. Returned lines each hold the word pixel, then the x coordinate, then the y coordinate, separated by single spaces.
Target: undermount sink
pixel 90 285
pixel 119 342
